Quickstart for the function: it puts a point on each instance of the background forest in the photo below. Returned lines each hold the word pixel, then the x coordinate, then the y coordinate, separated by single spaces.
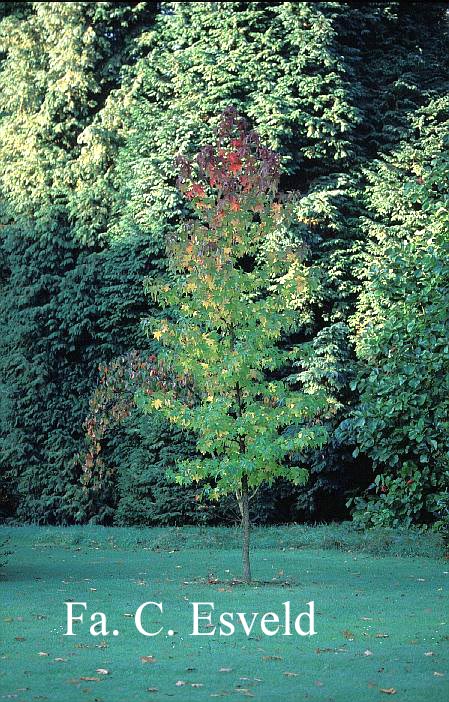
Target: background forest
pixel 96 100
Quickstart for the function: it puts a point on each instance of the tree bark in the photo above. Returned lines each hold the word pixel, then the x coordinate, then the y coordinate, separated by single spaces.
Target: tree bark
pixel 243 499
pixel 245 530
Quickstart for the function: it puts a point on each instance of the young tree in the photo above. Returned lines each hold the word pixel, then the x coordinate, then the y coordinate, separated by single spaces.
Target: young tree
pixel 236 290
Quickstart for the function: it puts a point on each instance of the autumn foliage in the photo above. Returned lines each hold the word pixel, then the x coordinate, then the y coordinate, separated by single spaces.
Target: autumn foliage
pixel 237 289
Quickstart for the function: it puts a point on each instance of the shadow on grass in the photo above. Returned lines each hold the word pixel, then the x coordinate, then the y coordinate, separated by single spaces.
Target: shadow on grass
pixel 236 582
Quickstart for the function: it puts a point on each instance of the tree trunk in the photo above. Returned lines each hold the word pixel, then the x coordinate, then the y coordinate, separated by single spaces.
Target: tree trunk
pixel 245 530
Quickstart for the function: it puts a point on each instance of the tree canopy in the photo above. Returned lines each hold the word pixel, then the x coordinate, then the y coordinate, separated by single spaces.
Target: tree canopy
pixel 96 101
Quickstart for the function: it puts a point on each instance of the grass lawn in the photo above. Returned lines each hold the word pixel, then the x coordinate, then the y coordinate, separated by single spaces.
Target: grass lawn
pixel 381 601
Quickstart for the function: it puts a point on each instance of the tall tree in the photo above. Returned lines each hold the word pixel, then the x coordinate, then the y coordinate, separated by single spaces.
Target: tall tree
pixel 402 329
pixel 59 62
pixel 235 292
pixel 308 77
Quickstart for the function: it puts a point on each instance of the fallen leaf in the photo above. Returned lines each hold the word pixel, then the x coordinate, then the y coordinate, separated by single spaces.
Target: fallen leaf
pixel 329 650
pixel 20 638
pixel 388 690
pixel 348 634
pixel 271 658
pixel 148 659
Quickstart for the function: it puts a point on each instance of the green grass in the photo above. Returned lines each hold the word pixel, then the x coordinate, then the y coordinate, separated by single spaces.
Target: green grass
pixel 381 602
